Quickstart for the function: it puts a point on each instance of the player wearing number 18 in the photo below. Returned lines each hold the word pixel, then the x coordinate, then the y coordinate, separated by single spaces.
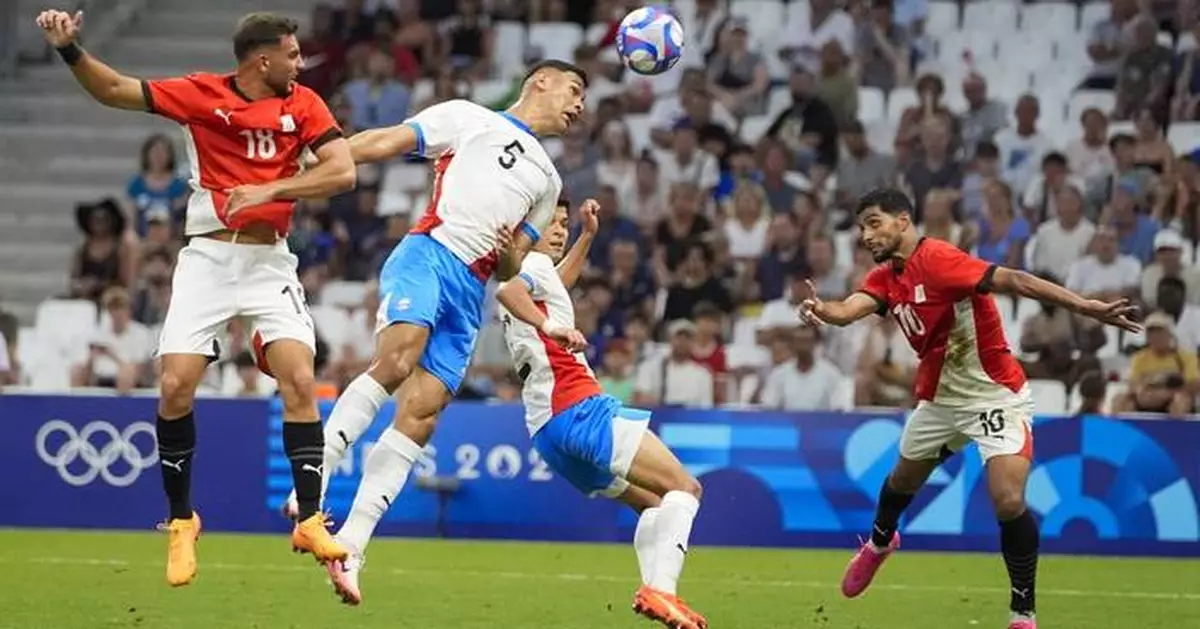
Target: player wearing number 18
pixel 245 132
pixel 969 387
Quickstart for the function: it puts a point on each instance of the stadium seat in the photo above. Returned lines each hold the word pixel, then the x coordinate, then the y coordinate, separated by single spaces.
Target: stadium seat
pixel 1050 17
pixel 998 16
pixel 766 17
pixel 881 135
pixel 333 324
pixel 510 48
pixel 952 47
pixel 422 90
pixel 942 17
pixel 404 178
pixel 1092 14
pixel 344 294
pixel 899 100
pixel 780 99
pixel 595 32
pixel 557 40
pixel 754 128
pixel 872 104
pixel 639 131
pixel 1049 396
pixel 844 243
pixel 1184 136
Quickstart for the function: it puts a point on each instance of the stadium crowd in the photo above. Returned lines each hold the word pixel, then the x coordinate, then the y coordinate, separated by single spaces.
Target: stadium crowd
pixel 729 181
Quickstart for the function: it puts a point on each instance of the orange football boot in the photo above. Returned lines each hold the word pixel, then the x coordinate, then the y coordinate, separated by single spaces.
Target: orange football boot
pixel 664 608
pixel 181 549
pixel 312 536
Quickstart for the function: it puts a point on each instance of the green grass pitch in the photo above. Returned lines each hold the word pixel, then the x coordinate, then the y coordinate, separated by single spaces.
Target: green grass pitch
pixel 94 580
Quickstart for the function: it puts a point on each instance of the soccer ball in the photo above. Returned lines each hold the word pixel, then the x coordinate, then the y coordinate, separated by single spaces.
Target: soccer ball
pixel 650 40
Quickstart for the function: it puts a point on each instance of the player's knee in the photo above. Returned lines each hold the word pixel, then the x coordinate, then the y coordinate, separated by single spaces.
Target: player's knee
pixel 1008 502
pixel 297 387
pixel 175 392
pixel 392 368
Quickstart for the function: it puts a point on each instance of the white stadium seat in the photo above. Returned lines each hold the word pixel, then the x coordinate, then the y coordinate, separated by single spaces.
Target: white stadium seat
pixel 872 104
pixel 1083 99
pixel 344 294
pixel 510 41
pixel 1049 396
pixel 1050 17
pixel 755 127
pixel 1093 13
pixel 999 16
pixel 942 17
pixel 1184 136
pixel 899 100
pixel 558 40
pixel 332 323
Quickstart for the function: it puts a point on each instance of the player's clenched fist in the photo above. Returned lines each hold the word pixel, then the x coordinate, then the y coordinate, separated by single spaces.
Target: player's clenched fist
pixel 59 27
pixel 589 212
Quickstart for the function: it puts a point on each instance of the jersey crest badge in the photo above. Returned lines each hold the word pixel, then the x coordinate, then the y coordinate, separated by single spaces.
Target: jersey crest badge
pixel 919 294
pixel 287 123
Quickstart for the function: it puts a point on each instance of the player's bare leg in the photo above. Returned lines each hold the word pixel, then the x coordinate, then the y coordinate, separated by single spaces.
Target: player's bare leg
pixel 421 399
pixel 1019 534
pixel 176 433
pixel 905 480
pixel 398 350
pixel 666 529
pixel 291 362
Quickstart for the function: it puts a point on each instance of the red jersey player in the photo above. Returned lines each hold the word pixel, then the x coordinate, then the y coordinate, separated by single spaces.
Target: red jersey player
pixel 969 387
pixel 246 133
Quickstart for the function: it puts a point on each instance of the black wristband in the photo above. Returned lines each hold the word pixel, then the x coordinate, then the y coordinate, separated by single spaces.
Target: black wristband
pixel 71 53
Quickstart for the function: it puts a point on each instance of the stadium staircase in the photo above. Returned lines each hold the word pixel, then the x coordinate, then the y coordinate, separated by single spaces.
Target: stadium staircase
pixel 58 148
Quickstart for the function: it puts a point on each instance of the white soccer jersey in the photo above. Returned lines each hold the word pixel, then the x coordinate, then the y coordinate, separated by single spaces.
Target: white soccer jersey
pixel 492 173
pixel 553 378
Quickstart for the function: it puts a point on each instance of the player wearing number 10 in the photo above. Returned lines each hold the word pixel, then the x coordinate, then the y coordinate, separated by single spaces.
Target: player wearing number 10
pixel 969 387
pixel 493 178
pixel 245 132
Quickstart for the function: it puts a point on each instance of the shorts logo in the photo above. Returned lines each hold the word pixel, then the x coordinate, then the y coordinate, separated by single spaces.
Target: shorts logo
pixel 404 303
pixel 97 458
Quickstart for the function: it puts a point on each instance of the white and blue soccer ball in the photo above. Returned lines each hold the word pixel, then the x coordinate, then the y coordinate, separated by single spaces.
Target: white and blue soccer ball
pixel 650 40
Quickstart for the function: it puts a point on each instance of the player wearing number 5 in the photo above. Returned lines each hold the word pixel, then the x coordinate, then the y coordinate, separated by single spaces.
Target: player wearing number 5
pixel 969 387
pixel 245 133
pixel 493 196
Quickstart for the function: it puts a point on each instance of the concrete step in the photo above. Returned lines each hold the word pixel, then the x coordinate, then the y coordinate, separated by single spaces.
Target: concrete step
pixel 132 51
pixel 192 21
pixel 68 107
pixel 58 227
pixel 24 311
pixel 47 282
pixel 36 256
pixel 47 142
pixel 235 7
pixel 85 171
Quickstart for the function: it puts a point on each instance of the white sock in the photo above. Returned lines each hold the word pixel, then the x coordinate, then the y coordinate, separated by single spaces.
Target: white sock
pixel 644 541
pixel 384 475
pixel 353 413
pixel 672 527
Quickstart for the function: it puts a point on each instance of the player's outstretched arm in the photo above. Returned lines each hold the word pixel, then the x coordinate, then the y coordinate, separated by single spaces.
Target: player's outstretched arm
pixel 1117 313
pixel 334 173
pixel 814 311
pixel 378 145
pixel 571 266
pixel 514 296
pixel 105 85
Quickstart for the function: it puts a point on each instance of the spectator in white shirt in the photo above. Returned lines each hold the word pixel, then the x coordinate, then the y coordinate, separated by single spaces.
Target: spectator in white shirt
pixel 810 26
pixel 1062 240
pixel 675 379
pixel 1106 274
pixel 1022 147
pixel 1090 157
pixel 1172 299
pixel 1040 198
pixel 807 383
pixel 747 221
pixel 1168 262
pixel 120 351
pixel 686 161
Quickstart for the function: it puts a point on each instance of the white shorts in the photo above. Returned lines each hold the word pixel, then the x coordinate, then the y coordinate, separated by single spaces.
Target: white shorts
pixel 217 281
pixel 1003 428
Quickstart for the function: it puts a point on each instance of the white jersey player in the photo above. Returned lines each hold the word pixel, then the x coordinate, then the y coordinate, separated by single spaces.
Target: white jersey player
pixel 587 437
pixel 494 193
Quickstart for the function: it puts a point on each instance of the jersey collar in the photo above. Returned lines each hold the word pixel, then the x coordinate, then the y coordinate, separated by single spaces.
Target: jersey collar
pixel 898 266
pixel 518 123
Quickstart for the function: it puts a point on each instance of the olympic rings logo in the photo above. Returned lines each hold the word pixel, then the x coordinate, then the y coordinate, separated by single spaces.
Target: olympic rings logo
pixel 98 457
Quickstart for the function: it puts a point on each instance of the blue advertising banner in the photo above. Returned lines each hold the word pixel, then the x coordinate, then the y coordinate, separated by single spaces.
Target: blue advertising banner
pixel 1099 485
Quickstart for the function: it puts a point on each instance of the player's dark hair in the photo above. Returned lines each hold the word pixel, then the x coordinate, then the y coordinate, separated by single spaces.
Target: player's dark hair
pixel 888 200
pixel 557 64
pixel 256 30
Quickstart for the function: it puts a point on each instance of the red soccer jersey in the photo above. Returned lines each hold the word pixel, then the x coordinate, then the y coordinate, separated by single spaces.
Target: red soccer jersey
pixel 232 141
pixel 939 300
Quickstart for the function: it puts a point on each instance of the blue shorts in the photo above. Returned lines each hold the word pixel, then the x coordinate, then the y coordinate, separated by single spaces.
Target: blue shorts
pixel 422 283
pixel 592 444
